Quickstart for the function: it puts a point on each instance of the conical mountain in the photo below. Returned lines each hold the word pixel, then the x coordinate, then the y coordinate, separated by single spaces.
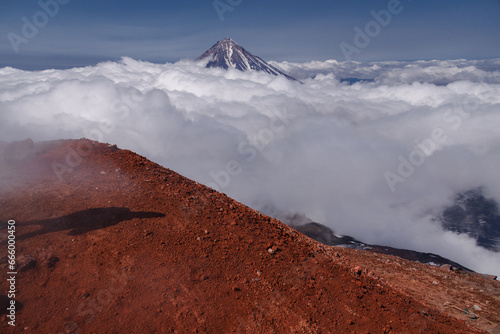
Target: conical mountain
pixel 229 54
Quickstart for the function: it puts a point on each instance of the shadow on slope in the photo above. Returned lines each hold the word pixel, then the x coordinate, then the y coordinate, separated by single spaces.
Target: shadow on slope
pixel 82 222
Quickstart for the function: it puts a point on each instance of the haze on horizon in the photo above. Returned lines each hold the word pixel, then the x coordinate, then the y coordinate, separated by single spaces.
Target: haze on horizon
pixel 68 33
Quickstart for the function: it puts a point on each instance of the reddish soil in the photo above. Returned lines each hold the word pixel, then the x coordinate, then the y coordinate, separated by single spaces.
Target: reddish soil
pixel 119 244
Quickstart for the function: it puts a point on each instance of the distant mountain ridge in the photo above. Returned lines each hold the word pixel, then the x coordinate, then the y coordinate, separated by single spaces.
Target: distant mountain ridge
pixel 327 236
pixel 476 215
pixel 229 54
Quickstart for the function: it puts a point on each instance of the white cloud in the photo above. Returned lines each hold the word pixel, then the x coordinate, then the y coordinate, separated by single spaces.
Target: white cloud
pixel 439 72
pixel 320 148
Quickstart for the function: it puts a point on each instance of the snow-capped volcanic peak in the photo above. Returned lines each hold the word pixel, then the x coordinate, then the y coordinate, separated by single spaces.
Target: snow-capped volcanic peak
pixel 228 54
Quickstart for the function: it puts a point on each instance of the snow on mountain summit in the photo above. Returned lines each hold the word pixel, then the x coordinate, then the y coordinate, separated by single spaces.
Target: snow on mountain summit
pixel 228 54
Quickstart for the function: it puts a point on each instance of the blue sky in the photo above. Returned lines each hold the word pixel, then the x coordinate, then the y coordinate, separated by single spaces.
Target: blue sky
pixel 86 32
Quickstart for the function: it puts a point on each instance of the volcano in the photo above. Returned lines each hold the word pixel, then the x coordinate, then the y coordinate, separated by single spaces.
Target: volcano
pixel 228 54
pixel 107 241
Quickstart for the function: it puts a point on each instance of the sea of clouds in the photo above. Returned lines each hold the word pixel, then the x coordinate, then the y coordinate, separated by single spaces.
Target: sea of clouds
pixel 376 160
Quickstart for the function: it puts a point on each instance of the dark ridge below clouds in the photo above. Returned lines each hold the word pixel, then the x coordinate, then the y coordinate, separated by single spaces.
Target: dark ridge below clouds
pixel 377 160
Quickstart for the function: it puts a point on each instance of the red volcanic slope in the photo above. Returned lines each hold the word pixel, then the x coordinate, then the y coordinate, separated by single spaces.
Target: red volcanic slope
pixel 119 244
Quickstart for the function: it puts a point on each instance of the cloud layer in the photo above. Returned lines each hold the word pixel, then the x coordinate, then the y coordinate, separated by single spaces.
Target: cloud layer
pixel 375 160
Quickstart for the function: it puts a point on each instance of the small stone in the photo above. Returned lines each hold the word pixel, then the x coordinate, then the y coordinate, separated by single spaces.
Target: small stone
pixel 26 262
pixel 52 260
pixel 477 308
pixel 271 251
pixel 492 277
pixel 446 267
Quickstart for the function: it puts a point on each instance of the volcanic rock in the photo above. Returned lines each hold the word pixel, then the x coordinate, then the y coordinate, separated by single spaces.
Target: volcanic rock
pixel 224 282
